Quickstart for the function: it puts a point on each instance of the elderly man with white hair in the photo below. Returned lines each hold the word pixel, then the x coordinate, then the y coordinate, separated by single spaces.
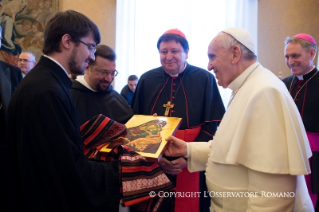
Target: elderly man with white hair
pixel 260 151
pixel 26 62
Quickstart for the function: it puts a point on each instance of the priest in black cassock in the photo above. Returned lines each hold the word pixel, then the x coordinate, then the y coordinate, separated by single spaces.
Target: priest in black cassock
pixel 93 93
pixel 46 168
pixel 178 89
pixel 303 86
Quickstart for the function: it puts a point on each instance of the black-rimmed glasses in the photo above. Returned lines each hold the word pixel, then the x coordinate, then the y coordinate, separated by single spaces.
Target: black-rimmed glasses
pixel 91 47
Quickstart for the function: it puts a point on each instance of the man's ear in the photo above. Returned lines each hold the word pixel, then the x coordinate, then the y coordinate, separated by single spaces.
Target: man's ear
pixel 186 52
pixel 66 41
pixel 313 53
pixel 236 54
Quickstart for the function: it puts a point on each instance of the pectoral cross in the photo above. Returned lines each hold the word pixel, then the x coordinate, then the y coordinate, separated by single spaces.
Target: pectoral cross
pixel 168 106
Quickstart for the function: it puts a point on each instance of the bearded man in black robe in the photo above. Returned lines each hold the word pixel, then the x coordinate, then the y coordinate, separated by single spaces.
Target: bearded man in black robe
pixel 93 93
pixel 46 168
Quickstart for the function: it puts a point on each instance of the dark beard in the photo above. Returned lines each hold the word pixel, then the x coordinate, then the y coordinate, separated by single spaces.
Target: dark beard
pixel 72 65
pixel 99 89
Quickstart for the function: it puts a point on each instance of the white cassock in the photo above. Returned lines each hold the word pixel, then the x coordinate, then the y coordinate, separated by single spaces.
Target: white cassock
pixel 260 148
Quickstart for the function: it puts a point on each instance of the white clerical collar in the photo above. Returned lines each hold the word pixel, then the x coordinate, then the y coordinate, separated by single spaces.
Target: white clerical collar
pixel 81 80
pixel 300 77
pixel 176 75
pixel 57 63
pixel 236 83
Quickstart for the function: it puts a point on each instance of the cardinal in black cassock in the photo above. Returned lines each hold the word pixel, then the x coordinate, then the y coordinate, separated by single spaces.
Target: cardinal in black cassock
pixel 178 89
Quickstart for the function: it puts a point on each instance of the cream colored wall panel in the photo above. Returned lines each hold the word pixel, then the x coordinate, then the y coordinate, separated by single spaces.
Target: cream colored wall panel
pixel 102 12
pixel 278 19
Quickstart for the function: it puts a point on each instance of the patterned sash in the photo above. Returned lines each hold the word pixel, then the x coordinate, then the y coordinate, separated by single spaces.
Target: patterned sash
pixel 141 181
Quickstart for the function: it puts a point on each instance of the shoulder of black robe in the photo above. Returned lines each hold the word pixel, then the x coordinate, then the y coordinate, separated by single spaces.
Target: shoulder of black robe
pixel 89 104
pixel 204 102
pixel 310 116
pixel 46 166
pixel 287 81
pixel 125 90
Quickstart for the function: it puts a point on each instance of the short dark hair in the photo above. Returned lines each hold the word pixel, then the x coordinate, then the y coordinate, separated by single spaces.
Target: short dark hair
pixel 69 22
pixel 132 78
pixel 104 51
pixel 177 38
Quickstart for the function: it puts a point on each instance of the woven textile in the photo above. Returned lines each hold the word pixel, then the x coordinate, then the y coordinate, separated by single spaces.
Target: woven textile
pixel 141 181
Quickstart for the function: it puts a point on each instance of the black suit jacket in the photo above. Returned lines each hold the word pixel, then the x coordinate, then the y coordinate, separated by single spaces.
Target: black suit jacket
pixel 10 76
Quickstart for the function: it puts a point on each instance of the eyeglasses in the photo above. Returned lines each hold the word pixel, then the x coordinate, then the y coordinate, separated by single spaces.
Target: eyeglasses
pixel 25 61
pixel 91 47
pixel 105 72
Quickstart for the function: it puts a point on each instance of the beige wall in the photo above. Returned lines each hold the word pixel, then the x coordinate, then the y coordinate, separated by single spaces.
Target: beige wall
pixel 102 13
pixel 278 19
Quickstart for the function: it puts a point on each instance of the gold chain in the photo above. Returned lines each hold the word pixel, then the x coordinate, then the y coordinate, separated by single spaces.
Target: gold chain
pixel 302 85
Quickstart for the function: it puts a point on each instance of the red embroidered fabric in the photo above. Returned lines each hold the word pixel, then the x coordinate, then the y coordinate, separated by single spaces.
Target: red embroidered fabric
pixel 142 181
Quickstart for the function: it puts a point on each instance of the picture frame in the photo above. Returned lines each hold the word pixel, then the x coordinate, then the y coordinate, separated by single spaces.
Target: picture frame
pixel 146 135
pixel 23 23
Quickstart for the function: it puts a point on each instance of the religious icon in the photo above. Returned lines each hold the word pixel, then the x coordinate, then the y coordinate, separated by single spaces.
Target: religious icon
pixel 146 135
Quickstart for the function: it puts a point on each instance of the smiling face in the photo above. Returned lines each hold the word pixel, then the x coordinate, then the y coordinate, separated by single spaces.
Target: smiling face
pixel 298 59
pixel 97 81
pixel 220 61
pixel 172 56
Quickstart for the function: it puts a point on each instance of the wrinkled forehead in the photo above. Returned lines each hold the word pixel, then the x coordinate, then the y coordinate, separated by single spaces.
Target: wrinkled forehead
pixel 294 47
pixel 215 45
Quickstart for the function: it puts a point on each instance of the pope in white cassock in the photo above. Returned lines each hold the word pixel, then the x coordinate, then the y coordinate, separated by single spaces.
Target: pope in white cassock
pixel 260 151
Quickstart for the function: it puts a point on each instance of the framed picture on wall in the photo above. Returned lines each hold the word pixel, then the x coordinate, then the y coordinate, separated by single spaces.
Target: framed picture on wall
pixel 23 23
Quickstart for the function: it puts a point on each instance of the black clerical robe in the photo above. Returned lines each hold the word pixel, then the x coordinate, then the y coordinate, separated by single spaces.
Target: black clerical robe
pixel 196 99
pixel 45 165
pixel 194 93
pixel 306 96
pixel 89 104
pixel 10 77
pixel 307 99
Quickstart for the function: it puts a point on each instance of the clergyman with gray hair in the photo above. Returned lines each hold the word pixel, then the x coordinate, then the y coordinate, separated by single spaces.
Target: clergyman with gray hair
pixel 303 85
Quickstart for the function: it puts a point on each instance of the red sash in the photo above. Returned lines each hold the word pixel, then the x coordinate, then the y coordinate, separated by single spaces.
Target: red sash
pixel 313 141
pixel 185 181
pixel 314 146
